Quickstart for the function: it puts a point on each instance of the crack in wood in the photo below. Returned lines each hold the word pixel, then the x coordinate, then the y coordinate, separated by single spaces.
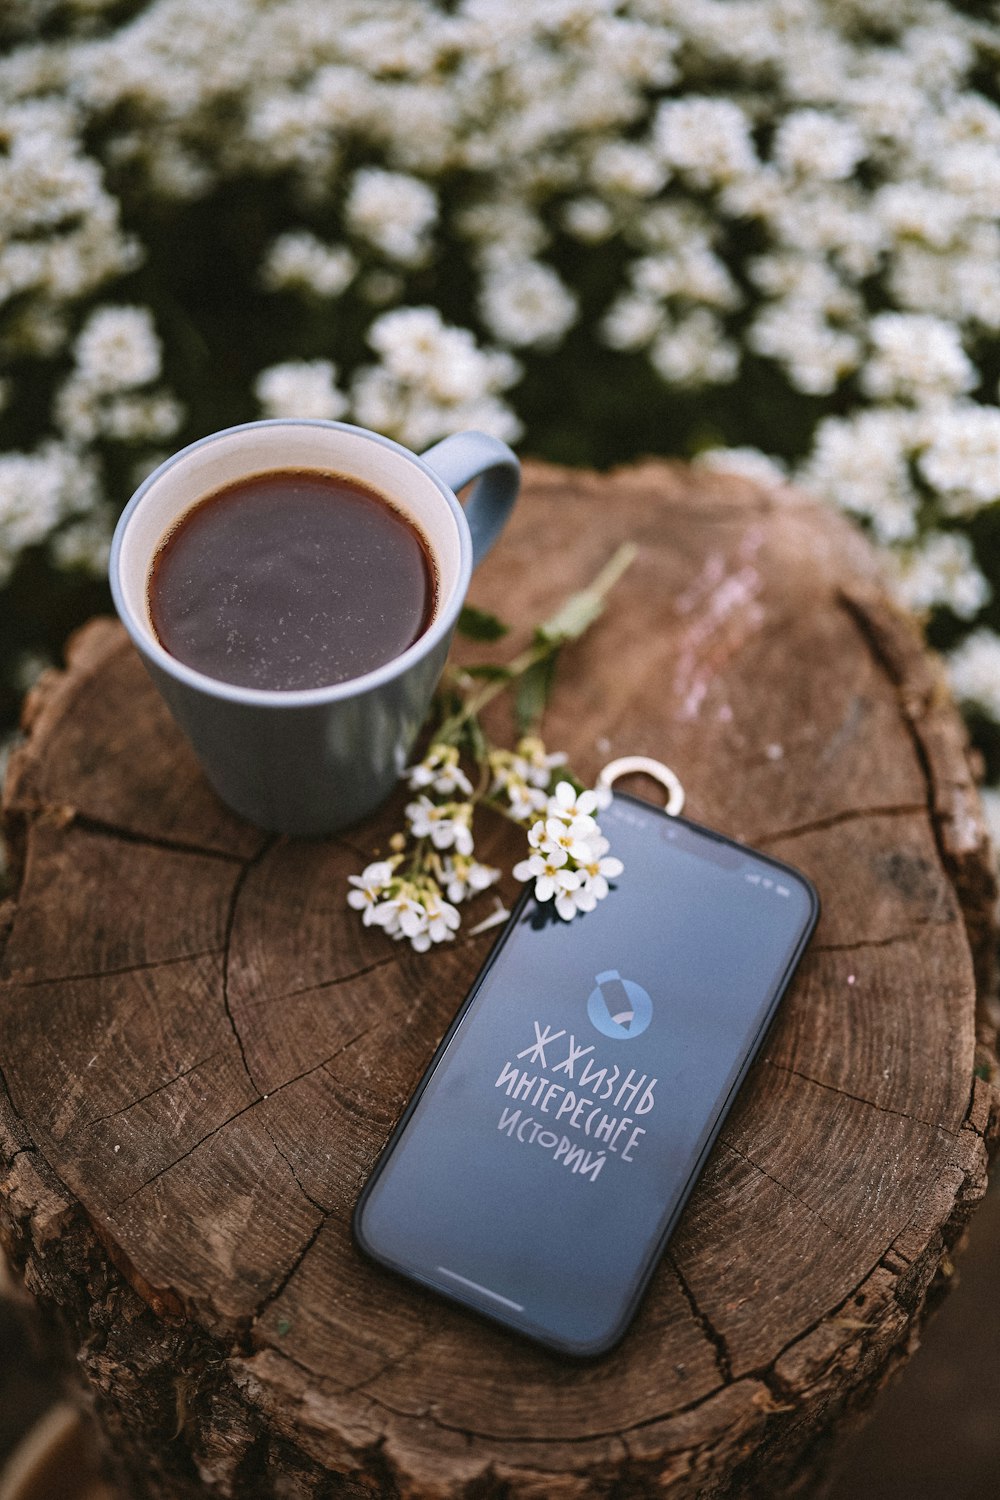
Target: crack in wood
pixel 887 942
pixel 790 1192
pixel 390 1364
pixel 396 956
pixel 104 828
pixel 830 1318
pixel 329 984
pixel 315 1067
pixel 329 1382
pixel 833 820
pixel 883 1109
pixel 238 885
pixel 273 1295
pixel 139 968
pixel 10 1100
pixel 720 1349
pixel 162 1171
pixel 765 1376
pixel 868 633
pixel 319 1207
pixel 8 910
pixel 600 1435
pixel 149 1094
pixel 260 1099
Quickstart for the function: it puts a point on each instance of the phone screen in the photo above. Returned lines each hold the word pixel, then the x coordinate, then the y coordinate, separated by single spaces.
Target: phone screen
pixel 547 1154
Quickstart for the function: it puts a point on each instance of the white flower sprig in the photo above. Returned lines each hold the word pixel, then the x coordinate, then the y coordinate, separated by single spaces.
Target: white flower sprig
pixel 432 869
pixel 569 861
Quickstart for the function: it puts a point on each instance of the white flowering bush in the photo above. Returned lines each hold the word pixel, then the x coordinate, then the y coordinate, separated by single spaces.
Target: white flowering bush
pixel 762 233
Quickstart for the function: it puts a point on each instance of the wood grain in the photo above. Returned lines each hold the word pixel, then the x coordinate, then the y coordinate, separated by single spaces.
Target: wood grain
pixel 203 1051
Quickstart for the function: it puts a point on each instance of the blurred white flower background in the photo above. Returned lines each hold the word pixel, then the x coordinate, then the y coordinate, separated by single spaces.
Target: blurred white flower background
pixel 763 234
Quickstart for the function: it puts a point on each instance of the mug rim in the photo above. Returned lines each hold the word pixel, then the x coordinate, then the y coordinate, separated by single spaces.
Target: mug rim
pixel 440 627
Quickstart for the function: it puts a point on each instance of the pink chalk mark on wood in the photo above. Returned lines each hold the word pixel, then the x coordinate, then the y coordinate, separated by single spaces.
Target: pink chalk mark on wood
pixel 728 613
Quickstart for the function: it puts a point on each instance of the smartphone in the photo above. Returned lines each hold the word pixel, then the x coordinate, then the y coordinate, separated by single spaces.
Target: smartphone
pixel 546 1155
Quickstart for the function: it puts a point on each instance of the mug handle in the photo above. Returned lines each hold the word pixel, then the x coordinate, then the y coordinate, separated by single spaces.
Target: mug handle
pixel 475 455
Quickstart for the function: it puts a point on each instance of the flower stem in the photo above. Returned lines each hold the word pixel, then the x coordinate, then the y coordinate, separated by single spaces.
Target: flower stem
pixel 569 623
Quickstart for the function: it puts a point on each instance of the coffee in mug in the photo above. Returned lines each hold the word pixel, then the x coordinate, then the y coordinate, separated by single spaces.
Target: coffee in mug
pixel 291 579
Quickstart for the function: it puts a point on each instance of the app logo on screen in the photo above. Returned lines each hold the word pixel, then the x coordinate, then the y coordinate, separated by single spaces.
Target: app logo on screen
pixel 618 1007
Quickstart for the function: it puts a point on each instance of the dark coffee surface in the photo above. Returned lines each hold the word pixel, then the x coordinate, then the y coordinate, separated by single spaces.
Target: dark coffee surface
pixel 291 579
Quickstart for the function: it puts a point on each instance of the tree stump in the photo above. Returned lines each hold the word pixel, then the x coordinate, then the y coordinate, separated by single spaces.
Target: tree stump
pixel 204 1050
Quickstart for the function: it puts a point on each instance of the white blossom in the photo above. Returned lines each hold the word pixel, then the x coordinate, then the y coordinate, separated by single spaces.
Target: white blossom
pixel 573 807
pixel 534 763
pixel 117 349
pixel 707 139
pixel 299 260
pixel 596 871
pixel 524 303
pixel 465 877
pixel 503 225
pixel 632 322
pixel 811 143
pixel 568 859
pixel 553 879
pixel 694 351
pixel 962 458
pixel 447 825
pixel 941 570
pixel 440 771
pixel 625 167
pixel 369 888
pixel 433 380
pixel 403 915
pixel 301 388
pixel 588 219
pixel 84 544
pixel 421 350
pixel 974 670
pixel 392 211
pixel 816 353
pixel 921 211
pixel 571 837
pixel 749 463
pixel 442 923
pixel 37 492
pixel 915 356
pixel 862 463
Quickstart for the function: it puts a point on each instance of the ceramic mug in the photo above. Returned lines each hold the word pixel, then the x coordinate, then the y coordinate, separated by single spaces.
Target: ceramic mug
pixel 310 762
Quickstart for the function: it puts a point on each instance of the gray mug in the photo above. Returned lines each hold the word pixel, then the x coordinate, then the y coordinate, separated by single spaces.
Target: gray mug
pixel 310 762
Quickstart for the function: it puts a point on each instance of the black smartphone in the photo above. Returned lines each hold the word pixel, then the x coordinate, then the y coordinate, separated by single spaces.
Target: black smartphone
pixel 546 1155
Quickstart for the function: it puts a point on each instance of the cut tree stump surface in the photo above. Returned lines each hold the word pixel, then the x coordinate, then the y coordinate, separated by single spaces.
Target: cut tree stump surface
pixel 204 1050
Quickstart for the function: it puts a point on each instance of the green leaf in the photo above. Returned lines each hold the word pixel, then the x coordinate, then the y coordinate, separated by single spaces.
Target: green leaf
pixel 476 740
pixel 489 672
pixel 447 701
pixel 580 611
pixel 479 625
pixel 533 692
pixel 571 620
